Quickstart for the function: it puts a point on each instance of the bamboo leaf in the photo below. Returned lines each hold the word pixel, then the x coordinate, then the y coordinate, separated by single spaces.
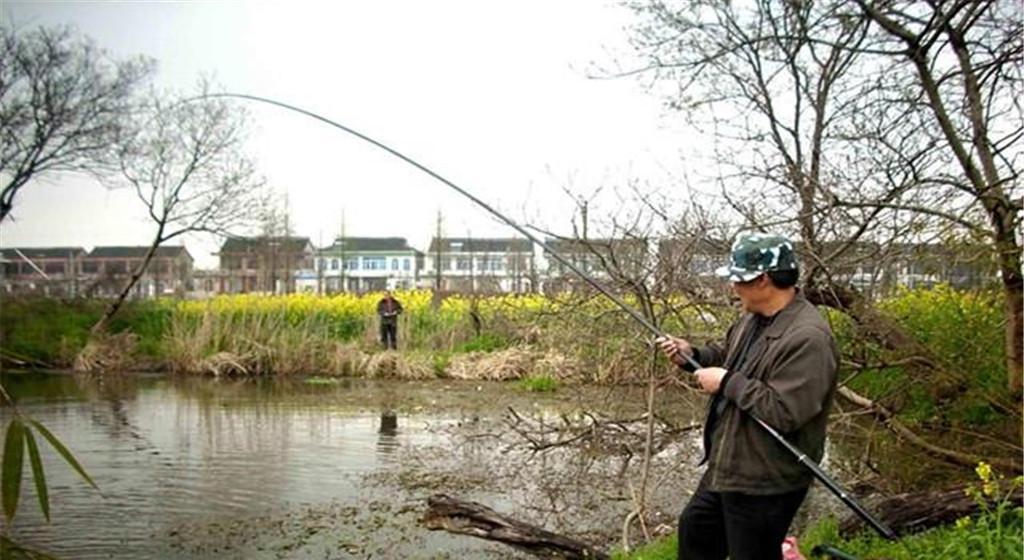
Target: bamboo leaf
pixel 59 447
pixel 10 477
pixel 10 550
pixel 38 475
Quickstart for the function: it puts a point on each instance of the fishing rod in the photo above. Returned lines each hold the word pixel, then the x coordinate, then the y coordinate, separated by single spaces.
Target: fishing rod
pixel 801 457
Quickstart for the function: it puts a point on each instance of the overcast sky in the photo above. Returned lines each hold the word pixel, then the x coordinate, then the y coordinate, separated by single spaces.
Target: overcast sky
pixel 496 97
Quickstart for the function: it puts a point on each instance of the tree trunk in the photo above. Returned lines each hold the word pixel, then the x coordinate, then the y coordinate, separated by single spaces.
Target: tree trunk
pixel 115 305
pixel 917 511
pixel 1013 289
pixel 470 518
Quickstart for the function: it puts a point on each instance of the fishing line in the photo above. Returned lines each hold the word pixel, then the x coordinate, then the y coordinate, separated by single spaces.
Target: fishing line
pixel 818 473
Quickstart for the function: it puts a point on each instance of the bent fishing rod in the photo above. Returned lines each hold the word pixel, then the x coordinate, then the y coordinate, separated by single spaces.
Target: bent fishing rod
pixel 801 457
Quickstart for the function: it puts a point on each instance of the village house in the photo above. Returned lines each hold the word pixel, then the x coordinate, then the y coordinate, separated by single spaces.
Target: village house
pixel 48 271
pixel 266 264
pixel 105 270
pixel 472 265
pixel 363 264
pixel 605 260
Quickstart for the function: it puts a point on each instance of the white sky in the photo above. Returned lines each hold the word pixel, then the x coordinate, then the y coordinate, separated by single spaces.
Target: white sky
pixel 493 96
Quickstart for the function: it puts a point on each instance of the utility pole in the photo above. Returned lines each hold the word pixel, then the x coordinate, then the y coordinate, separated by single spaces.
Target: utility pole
pixel 289 254
pixel 437 254
pixel 469 249
pixel 318 262
pixel 342 255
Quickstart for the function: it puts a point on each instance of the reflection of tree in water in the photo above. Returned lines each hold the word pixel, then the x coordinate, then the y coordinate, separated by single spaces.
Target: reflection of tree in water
pixel 115 390
pixel 573 473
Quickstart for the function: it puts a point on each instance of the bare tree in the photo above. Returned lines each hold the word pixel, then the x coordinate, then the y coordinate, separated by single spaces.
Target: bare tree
pixel 881 122
pixel 187 169
pixel 63 102
pixel 958 65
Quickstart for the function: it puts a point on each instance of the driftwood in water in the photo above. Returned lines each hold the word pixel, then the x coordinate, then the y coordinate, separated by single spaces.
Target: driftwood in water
pixel 470 518
pixel 917 511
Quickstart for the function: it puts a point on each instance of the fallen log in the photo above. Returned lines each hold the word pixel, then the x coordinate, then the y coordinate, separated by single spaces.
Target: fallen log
pixel 477 520
pixel 916 511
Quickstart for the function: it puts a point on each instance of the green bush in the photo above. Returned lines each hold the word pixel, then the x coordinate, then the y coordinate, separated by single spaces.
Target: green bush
pixel 963 331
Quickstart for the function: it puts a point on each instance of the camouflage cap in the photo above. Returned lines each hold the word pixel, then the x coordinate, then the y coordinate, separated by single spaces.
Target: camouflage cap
pixel 754 254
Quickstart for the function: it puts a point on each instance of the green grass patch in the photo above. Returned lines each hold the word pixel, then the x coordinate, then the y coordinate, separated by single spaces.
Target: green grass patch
pixel 661 549
pixel 486 342
pixel 994 535
pixel 538 383
pixel 53 331
pixel 440 362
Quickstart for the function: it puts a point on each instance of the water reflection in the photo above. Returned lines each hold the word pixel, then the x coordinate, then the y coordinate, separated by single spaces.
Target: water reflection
pixel 246 469
pixel 387 440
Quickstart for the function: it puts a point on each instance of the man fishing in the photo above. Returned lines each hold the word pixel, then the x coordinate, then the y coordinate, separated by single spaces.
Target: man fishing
pixel 777 364
pixel 388 309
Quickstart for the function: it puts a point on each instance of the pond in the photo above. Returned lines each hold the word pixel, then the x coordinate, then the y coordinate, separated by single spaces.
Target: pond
pixel 338 468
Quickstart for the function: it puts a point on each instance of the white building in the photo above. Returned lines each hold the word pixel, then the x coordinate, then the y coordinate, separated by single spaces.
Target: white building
pixel 365 264
pixel 472 265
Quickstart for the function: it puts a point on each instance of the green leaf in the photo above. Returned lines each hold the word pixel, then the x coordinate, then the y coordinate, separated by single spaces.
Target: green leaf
pixel 37 474
pixel 59 447
pixel 10 477
pixel 10 550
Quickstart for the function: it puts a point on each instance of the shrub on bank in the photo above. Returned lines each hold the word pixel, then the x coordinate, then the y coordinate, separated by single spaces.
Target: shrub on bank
pixel 962 331
pixel 53 331
pixel 305 333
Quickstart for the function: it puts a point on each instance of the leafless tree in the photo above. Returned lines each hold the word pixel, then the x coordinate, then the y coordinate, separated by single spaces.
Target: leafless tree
pixel 188 170
pixel 954 85
pixel 63 102
pixel 882 122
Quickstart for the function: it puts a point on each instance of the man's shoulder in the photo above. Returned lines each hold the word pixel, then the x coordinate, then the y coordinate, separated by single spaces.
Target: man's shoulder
pixel 801 315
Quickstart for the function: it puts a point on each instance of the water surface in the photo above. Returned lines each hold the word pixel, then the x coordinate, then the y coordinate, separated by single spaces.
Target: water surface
pixel 207 468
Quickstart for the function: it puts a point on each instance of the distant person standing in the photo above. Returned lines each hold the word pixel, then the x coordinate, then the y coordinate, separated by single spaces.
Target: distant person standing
pixel 389 308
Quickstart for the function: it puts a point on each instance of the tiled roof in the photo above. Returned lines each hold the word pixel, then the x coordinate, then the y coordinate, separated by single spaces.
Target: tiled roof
pixel 257 244
pixel 11 253
pixel 480 245
pixel 590 245
pixel 369 244
pixel 137 252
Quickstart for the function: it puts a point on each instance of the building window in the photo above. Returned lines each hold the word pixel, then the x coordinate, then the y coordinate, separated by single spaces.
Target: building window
pixel 117 267
pixel 406 265
pixel 463 263
pixel 375 263
pixel 394 264
pixel 53 268
pixel 334 264
pixel 352 264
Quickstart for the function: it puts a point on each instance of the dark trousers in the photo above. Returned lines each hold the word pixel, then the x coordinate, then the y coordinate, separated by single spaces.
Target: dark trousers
pixel 741 526
pixel 389 335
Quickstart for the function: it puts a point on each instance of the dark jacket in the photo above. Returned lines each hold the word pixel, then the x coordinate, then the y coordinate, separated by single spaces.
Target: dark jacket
pixel 389 309
pixel 787 380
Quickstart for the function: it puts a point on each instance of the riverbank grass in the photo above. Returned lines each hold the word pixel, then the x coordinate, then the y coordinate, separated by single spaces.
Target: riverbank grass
pixel 995 533
pixel 538 383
